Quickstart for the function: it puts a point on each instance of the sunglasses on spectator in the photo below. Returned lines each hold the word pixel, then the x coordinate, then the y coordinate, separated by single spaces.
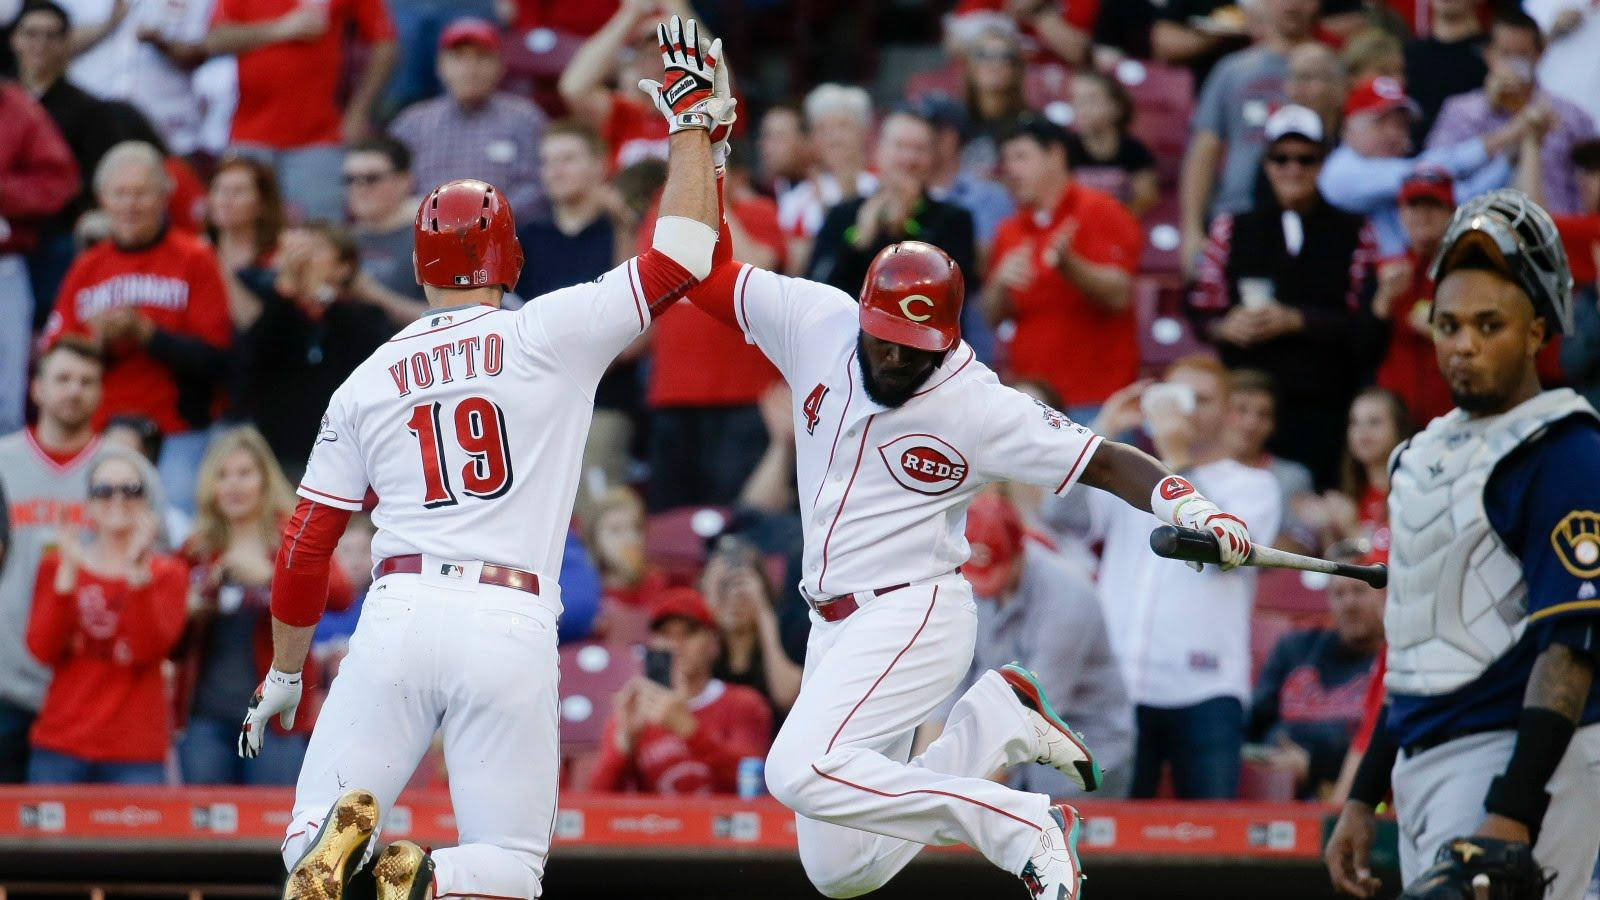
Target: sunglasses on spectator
pixel 996 55
pixel 364 179
pixel 107 491
pixel 1301 159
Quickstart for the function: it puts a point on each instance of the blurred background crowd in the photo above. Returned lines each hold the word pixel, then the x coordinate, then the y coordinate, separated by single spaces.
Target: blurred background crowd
pixel 1201 225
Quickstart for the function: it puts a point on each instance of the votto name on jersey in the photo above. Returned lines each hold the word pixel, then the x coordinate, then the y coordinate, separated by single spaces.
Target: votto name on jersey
pixel 444 362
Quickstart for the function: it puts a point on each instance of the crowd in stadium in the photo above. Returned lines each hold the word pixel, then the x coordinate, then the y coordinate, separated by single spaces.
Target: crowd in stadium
pixel 1202 226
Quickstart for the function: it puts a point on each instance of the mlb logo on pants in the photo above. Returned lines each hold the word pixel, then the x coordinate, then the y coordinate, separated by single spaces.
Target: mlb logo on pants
pixel 451 570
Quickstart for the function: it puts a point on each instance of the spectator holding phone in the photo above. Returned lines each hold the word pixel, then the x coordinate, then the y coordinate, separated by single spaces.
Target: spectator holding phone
pixel 106 612
pixel 741 597
pixel 681 731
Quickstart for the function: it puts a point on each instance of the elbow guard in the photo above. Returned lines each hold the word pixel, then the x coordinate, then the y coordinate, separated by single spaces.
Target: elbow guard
pixel 687 242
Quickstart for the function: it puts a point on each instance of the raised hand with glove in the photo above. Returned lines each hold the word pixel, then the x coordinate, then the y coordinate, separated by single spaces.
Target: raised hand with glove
pixel 278 695
pixel 1176 502
pixel 687 94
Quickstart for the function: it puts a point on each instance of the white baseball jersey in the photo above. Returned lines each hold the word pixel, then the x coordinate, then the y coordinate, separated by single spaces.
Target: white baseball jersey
pixel 884 492
pixel 470 423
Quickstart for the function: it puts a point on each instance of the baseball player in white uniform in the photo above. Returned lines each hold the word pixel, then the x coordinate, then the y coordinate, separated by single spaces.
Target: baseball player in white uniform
pixel 897 426
pixel 468 426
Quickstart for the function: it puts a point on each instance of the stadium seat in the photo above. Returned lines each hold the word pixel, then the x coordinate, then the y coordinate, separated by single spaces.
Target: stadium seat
pixel 1163 101
pixel 1164 331
pixel 1261 782
pixel 591 674
pixel 672 542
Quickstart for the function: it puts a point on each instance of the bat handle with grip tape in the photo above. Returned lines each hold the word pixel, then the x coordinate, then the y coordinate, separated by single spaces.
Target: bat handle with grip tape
pixel 1186 544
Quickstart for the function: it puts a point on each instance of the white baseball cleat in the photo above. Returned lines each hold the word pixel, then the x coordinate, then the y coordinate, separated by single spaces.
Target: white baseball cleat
pixel 1054 871
pixel 1056 744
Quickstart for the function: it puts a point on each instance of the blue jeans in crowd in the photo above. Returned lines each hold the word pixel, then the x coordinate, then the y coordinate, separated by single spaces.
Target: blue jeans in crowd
pixel 50 767
pixel 14 724
pixel 1202 742
pixel 208 753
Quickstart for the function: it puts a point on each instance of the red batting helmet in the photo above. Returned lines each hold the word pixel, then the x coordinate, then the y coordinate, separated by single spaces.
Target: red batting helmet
pixel 913 296
pixel 466 238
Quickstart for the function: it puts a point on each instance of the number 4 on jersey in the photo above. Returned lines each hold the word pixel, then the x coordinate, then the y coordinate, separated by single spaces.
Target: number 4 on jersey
pixel 813 407
pixel 481 433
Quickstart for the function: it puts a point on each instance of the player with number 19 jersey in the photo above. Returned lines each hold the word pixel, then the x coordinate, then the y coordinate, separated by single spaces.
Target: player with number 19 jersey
pixel 469 425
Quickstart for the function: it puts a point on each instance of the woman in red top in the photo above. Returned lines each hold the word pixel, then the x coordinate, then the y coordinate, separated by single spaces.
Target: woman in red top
pixel 243 501
pixel 105 614
pixel 1359 509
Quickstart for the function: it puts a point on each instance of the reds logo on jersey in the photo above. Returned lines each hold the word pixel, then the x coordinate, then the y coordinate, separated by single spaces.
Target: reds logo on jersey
pixel 924 463
pixel 813 407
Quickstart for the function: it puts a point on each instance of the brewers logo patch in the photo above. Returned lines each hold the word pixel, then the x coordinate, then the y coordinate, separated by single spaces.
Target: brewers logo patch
pixel 924 463
pixel 1576 540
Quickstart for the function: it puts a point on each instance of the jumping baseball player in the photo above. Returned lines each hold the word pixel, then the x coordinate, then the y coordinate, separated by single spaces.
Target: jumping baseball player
pixel 1492 737
pixel 468 426
pixel 897 426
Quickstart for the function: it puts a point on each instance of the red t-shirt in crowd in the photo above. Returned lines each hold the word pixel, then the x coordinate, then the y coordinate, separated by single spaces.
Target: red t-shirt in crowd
pixel 731 723
pixel 1062 337
pixel 1410 367
pixel 1579 236
pixel 564 15
pixel 699 361
pixel 287 91
pixel 633 131
pixel 176 284
pixel 105 641
pixel 187 207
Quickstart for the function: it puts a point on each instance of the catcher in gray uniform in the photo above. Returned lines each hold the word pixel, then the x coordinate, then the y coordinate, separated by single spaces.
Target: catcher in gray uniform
pixel 1490 738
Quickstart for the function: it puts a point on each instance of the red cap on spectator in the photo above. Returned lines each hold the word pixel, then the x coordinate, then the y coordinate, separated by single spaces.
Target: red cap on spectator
pixel 994 530
pixel 479 32
pixel 1379 94
pixel 681 603
pixel 1429 182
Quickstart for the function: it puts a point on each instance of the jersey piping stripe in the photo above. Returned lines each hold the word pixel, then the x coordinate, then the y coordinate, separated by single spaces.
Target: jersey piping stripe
pixel 1559 608
pixel 918 633
pixel 633 285
pixel 970 354
pixel 328 495
pixel 849 393
pixel 407 337
pixel 744 280
pixel 840 511
pixel 995 809
pixel 1082 455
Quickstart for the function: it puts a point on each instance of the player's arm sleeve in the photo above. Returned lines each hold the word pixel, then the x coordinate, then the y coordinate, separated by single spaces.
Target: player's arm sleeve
pixel 305 555
pixel 336 474
pixel 1024 440
pixel 1561 548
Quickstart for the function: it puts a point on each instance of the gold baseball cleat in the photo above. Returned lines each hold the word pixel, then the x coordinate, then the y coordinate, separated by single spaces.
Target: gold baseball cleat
pixel 325 868
pixel 404 871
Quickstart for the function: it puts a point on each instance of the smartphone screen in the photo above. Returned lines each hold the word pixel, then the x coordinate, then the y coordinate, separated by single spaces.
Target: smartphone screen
pixel 658 666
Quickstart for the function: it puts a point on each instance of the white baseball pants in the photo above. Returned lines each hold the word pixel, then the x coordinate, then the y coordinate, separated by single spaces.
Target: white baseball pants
pixel 1438 796
pixel 840 760
pixel 478 661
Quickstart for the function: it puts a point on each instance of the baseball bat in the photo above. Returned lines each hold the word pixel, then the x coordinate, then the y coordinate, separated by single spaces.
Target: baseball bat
pixel 1193 545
